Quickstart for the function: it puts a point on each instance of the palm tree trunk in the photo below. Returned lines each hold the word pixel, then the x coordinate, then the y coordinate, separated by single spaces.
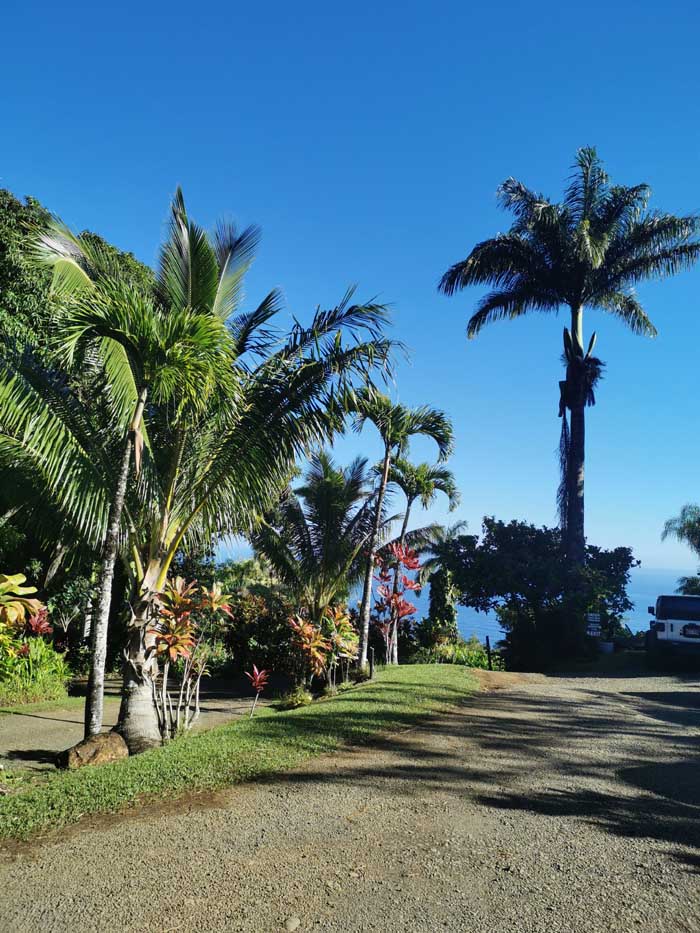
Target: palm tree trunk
pixel 575 532
pixel 94 703
pixel 395 590
pixel 138 717
pixel 575 543
pixel 365 606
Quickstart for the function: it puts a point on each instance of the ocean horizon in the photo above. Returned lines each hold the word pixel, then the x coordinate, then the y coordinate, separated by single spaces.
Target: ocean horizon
pixel 645 585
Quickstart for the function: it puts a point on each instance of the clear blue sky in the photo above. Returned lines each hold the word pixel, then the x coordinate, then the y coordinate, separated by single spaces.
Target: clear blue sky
pixel 368 140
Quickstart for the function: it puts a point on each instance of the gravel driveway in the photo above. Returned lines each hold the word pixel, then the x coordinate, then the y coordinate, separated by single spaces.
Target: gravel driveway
pixel 552 804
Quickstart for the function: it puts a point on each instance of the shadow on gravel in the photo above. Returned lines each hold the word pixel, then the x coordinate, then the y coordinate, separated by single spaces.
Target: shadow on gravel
pixel 539 754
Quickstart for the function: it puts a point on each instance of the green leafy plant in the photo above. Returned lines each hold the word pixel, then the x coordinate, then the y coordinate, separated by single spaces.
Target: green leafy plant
pixel 343 639
pixel 178 646
pixel 471 653
pixel 295 699
pixel 15 605
pixel 315 648
pixel 35 671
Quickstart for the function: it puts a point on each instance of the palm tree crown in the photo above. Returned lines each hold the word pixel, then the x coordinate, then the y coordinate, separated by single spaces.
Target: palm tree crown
pixel 315 541
pixel 423 481
pixel 589 250
pixel 397 423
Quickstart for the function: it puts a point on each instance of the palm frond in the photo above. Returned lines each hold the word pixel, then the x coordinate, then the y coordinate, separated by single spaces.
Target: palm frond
pixel 685 527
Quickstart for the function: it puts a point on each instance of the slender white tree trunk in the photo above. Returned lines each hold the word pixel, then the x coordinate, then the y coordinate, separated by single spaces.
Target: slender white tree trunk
pixel 366 604
pixel 94 704
pixel 397 575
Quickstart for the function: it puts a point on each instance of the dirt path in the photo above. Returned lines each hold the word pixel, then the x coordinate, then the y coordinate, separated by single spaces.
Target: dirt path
pixel 558 805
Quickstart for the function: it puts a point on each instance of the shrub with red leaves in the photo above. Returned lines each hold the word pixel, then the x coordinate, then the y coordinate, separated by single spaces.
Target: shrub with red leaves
pixel 258 680
pixel 38 624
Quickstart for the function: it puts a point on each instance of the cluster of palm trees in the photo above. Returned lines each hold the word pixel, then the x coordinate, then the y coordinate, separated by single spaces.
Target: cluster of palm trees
pixel 321 539
pixel 168 419
pixel 162 417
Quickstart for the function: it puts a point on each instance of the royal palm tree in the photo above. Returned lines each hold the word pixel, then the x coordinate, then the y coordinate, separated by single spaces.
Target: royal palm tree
pixel 419 482
pixel 589 251
pixel 396 425
pixel 316 538
pixel 212 469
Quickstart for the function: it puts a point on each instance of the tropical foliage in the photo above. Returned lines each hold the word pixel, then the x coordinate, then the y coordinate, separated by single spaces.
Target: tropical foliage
pixel 471 653
pixel 216 407
pixel 258 681
pixel 419 482
pixel 30 667
pixel 149 416
pixel 392 608
pixel 177 644
pixel 520 572
pixel 396 424
pixel 316 540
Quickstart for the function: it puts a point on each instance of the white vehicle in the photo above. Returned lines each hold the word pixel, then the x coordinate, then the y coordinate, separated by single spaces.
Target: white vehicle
pixel 676 626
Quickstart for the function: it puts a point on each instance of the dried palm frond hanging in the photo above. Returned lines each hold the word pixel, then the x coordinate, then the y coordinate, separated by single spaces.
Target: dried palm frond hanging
pixel 583 372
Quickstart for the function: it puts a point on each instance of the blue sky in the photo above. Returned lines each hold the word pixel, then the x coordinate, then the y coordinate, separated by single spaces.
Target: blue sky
pixel 368 141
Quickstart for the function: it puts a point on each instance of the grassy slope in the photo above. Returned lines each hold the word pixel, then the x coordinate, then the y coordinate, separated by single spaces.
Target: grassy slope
pixel 241 751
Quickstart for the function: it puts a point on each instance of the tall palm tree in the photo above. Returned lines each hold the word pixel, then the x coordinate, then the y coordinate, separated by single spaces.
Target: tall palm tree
pixel 174 356
pixel 396 425
pixel 212 469
pixel 588 251
pixel 419 482
pixel 315 539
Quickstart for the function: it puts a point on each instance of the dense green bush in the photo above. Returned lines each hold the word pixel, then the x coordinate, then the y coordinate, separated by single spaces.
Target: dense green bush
pixel 258 632
pixel 458 651
pixel 295 699
pixel 520 572
pixel 38 672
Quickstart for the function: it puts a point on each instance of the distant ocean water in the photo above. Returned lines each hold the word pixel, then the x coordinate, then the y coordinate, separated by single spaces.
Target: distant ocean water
pixel 645 585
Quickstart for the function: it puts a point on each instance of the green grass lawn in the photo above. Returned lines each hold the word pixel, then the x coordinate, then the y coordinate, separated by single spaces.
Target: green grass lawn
pixel 43 706
pixel 240 751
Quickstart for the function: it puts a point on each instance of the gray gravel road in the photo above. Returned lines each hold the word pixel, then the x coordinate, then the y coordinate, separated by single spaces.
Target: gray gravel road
pixel 553 804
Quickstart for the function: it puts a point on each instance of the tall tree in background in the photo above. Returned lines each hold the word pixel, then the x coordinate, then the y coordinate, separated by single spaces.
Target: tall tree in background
pixel 589 251
pixel 419 482
pixel 396 424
